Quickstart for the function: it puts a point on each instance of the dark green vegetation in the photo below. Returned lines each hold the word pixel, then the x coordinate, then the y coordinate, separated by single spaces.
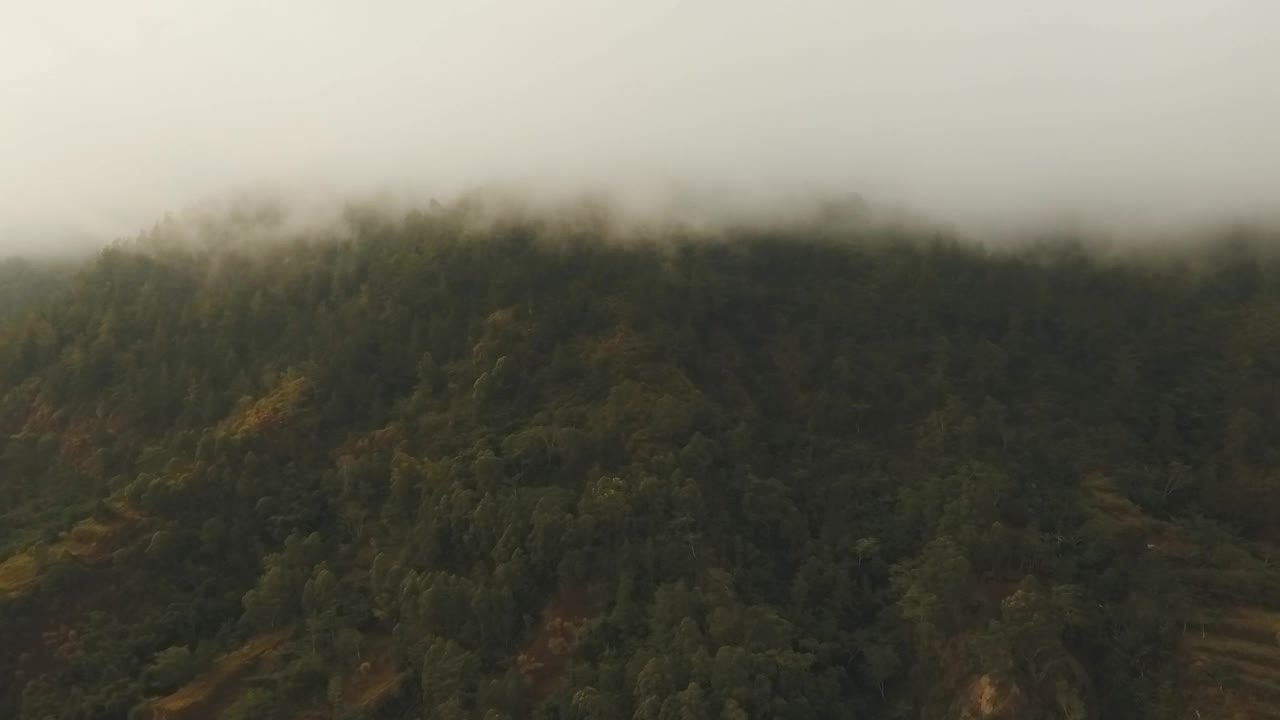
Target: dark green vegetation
pixel 517 472
pixel 24 284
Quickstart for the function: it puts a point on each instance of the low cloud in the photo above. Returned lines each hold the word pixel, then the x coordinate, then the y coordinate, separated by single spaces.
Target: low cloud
pixel 988 114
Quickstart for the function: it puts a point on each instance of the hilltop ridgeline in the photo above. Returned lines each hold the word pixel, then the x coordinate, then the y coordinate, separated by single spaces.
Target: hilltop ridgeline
pixel 428 468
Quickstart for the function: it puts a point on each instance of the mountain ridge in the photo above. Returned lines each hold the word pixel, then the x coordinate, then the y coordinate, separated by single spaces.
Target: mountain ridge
pixel 509 470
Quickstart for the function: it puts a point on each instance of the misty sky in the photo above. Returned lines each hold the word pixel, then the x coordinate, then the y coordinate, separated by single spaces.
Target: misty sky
pixel 113 113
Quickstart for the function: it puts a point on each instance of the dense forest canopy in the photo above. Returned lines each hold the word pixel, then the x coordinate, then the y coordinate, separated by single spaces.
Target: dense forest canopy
pixel 25 284
pixel 432 468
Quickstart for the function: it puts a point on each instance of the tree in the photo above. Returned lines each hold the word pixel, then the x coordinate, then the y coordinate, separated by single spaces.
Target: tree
pixel 171 668
pixel 320 600
pixel 934 591
pixel 163 548
pixel 212 533
pixel 447 669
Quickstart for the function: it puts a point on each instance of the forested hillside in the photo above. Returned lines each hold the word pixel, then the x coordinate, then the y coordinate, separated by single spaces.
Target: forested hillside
pixel 24 284
pixel 428 468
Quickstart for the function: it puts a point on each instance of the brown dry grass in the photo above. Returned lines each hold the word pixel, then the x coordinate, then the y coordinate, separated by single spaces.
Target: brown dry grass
pixel 273 412
pixel 544 662
pixel 1106 498
pixel 1238 640
pixel 91 540
pixel 190 698
pixel 18 573
pixel 367 689
pixel 1241 642
pixel 1233 679
pixel 1264 658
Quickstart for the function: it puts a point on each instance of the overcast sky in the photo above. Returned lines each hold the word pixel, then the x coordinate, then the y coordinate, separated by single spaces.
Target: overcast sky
pixel 112 113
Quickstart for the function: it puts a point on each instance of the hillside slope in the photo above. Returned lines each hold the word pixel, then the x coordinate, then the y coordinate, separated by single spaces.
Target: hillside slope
pixel 25 284
pixel 438 469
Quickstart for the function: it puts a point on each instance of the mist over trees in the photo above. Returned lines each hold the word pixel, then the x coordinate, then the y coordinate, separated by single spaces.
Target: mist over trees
pixel 25 284
pixel 429 467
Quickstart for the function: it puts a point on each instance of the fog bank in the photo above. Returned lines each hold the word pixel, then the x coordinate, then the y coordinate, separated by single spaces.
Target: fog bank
pixel 991 113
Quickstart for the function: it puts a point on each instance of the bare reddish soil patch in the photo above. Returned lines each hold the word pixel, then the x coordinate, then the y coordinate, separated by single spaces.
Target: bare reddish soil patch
pixel 544 662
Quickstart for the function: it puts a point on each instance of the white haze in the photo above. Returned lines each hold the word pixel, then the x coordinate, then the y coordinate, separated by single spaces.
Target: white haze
pixel 1134 113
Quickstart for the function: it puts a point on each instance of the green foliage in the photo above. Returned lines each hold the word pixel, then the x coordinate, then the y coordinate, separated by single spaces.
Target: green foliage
pixel 25 285
pixel 172 667
pixel 802 473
